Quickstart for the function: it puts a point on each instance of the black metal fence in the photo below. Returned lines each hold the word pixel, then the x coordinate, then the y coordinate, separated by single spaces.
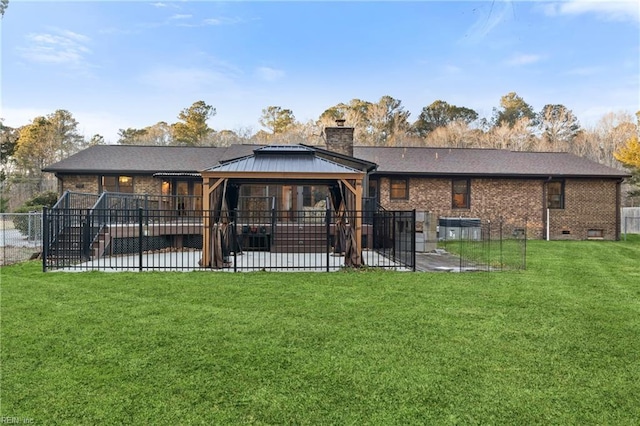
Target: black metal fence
pixel 155 239
pixel 485 245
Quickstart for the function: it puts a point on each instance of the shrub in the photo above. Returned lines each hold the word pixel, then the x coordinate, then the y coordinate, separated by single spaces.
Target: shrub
pixel 25 223
pixel 30 225
pixel 44 199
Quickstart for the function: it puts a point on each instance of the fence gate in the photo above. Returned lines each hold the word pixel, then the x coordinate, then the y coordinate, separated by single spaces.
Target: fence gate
pixel 395 237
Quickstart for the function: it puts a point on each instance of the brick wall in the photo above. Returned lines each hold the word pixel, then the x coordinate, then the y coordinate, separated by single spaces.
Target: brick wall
pixel 90 184
pixel 589 204
pixel 340 139
pixel 147 185
pixel 79 183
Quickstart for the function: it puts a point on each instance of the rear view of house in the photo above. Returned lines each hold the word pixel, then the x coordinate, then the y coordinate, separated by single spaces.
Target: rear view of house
pixel 560 195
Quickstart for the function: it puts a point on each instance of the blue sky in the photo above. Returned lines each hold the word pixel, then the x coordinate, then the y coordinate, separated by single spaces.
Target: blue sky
pixel 131 64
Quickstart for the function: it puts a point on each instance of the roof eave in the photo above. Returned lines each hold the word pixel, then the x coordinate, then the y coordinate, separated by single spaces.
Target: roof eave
pixel 282 175
pixel 504 175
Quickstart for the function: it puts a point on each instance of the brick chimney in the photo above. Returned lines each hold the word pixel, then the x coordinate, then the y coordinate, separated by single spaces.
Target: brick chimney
pixel 339 138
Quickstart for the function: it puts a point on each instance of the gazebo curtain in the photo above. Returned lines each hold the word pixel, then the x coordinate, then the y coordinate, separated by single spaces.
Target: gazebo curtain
pixel 221 230
pixel 345 240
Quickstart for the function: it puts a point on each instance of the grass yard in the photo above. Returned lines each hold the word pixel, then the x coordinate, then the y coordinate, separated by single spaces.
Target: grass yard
pixel 558 343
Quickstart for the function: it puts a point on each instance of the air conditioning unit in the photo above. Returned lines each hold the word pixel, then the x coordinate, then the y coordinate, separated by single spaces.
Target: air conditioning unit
pixel 459 228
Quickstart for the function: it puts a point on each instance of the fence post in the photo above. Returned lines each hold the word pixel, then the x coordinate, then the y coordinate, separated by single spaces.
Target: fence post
pixel 84 234
pixel 234 216
pixel 489 247
pixel 460 242
pixel 327 222
pixel 4 236
pixel 501 258
pixel 45 238
pixel 393 234
pixel 413 240
pixel 524 252
pixel 140 232
pixel 273 222
pixel 29 226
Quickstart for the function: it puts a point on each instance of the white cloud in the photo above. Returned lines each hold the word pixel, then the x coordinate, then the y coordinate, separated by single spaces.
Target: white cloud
pixel 222 21
pixel 57 47
pixel 523 59
pixel 181 16
pixel 609 10
pixel 16 117
pixel 585 71
pixel 269 74
pixel 213 21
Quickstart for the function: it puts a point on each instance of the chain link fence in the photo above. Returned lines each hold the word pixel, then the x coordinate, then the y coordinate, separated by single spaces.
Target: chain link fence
pixel 20 237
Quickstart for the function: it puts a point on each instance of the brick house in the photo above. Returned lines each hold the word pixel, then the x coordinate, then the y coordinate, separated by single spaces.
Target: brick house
pixel 561 195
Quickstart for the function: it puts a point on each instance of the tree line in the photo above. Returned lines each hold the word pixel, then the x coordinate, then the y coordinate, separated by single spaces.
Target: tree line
pixel 513 125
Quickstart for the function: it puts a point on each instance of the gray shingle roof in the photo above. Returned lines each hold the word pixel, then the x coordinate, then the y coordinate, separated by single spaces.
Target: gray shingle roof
pixel 485 162
pixel 147 159
pixel 427 161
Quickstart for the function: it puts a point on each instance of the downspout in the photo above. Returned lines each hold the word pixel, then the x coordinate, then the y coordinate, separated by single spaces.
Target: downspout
pixel 545 200
pixel 548 230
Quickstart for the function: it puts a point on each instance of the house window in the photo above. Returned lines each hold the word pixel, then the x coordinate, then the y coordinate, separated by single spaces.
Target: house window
pixel 187 193
pixel 125 184
pixel 555 194
pixel 117 184
pixel 460 194
pixel 399 189
pixel 596 234
pixel 109 183
pixel 373 189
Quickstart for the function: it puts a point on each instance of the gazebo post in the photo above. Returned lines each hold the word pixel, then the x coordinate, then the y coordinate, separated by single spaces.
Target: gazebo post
pixel 356 190
pixel 208 189
pixel 358 217
pixel 206 223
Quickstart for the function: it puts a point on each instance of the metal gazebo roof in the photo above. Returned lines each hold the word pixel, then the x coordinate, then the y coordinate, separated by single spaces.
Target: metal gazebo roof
pixel 290 161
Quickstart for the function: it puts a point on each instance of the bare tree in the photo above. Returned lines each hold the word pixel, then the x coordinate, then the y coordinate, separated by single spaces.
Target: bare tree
pixel 516 137
pixel 457 134
pixel 610 133
pixel 559 127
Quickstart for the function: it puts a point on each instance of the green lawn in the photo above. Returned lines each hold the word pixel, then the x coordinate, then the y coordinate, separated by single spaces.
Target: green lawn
pixel 558 343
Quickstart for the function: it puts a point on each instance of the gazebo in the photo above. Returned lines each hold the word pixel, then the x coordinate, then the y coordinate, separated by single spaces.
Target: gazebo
pixel 281 165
